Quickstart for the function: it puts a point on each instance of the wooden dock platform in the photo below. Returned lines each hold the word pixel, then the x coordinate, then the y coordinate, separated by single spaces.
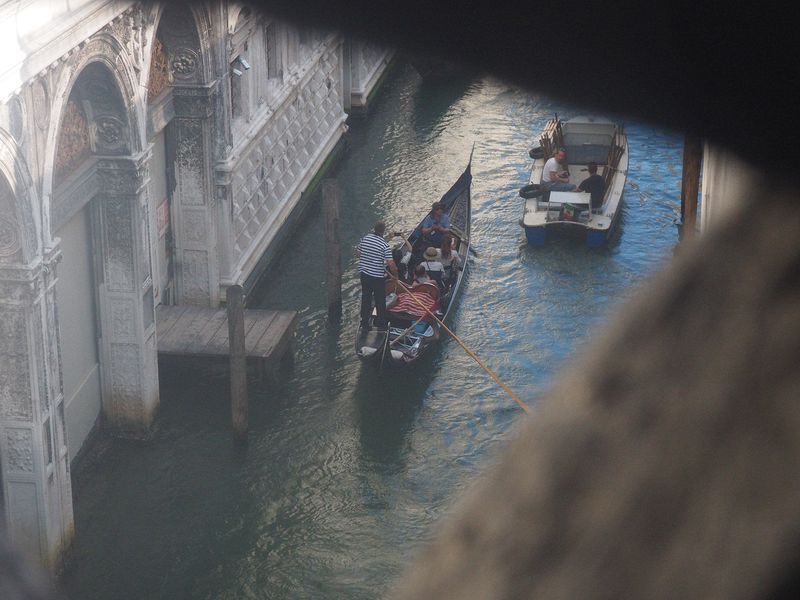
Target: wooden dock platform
pixel 191 331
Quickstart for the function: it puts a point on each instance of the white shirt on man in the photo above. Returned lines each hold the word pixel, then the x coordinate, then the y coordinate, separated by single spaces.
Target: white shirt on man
pixel 551 166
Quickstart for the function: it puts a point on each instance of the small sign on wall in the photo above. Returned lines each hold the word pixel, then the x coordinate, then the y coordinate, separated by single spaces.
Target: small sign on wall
pixel 163 218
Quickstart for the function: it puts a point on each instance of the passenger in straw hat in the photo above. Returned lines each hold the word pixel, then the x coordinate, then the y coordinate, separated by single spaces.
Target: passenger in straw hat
pixel 433 266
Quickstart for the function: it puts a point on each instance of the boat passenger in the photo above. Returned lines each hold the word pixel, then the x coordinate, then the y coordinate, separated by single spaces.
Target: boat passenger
pixel 594 184
pixel 401 253
pixel 433 266
pixel 435 225
pixel 449 258
pixel 555 177
pixel 420 275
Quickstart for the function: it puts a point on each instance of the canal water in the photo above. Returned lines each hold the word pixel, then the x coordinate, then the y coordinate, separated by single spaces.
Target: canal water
pixel 348 470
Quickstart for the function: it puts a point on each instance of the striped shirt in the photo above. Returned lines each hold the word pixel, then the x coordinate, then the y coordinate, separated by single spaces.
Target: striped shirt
pixel 374 252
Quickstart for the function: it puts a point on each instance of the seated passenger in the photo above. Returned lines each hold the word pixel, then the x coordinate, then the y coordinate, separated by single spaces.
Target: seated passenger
pixel 555 177
pixel 433 267
pixel 435 225
pixel 449 258
pixel 594 184
pixel 401 252
pixel 420 275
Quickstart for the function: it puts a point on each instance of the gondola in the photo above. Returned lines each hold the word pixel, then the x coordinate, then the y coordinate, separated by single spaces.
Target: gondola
pixel 412 331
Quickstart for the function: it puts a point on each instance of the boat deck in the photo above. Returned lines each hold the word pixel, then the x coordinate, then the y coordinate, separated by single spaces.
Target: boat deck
pixel 190 332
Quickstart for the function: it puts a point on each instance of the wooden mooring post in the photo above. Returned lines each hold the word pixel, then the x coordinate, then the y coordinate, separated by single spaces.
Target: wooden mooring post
pixel 690 183
pixel 333 252
pixel 238 362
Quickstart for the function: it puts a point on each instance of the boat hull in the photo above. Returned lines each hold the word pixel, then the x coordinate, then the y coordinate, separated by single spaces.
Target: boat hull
pixel 595 238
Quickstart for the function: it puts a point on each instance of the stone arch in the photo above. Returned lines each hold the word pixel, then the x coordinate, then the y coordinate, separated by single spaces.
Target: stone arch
pixel 185 41
pixel 95 178
pixel 116 129
pixel 20 232
pixel 98 88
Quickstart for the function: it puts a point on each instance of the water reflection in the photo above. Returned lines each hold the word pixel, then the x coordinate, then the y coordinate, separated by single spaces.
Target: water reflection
pixel 387 406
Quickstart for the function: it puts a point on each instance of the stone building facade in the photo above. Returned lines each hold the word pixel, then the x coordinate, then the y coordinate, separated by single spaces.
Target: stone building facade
pixel 149 154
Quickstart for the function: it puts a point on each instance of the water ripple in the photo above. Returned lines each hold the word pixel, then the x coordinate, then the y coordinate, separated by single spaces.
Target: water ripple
pixel 347 468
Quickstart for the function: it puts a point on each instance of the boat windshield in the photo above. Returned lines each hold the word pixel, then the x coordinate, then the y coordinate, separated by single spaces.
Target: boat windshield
pixel 581 154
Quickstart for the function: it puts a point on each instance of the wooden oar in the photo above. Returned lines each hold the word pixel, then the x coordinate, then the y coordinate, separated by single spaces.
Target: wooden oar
pixel 491 373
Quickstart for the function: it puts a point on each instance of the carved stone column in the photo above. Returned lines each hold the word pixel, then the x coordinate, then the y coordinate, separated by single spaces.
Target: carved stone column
pixel 34 459
pixel 125 296
pixel 194 213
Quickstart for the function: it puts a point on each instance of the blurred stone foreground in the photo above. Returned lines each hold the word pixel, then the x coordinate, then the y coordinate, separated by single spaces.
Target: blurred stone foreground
pixel 665 462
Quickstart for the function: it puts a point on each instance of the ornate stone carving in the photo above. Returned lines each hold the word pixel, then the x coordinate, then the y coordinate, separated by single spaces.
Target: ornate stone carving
pixel 195 277
pixel 19 443
pixel 73 140
pixel 39 345
pixel 159 78
pixel 194 225
pixel 15 392
pixel 109 133
pixel 184 63
pixel 194 102
pixel 190 162
pixel 123 320
pixel 126 371
pixel 129 28
pixel 41 104
pixel 121 177
pixel 9 238
pixel 55 376
pixel 118 249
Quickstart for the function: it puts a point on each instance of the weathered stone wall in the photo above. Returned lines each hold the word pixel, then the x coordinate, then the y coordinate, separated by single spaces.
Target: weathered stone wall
pixel 270 168
pixel 369 60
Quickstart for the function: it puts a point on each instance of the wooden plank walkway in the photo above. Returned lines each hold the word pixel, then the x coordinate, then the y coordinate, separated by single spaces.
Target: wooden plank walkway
pixel 191 331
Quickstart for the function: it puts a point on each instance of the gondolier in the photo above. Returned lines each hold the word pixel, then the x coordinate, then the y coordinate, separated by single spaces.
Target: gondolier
pixel 374 255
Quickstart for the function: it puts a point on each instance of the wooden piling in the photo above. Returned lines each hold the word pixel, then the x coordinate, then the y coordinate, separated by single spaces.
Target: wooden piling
pixel 333 253
pixel 690 184
pixel 238 362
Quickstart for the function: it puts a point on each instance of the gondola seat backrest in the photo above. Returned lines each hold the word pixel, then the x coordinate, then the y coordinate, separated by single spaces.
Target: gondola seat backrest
pixel 437 277
pixel 428 288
